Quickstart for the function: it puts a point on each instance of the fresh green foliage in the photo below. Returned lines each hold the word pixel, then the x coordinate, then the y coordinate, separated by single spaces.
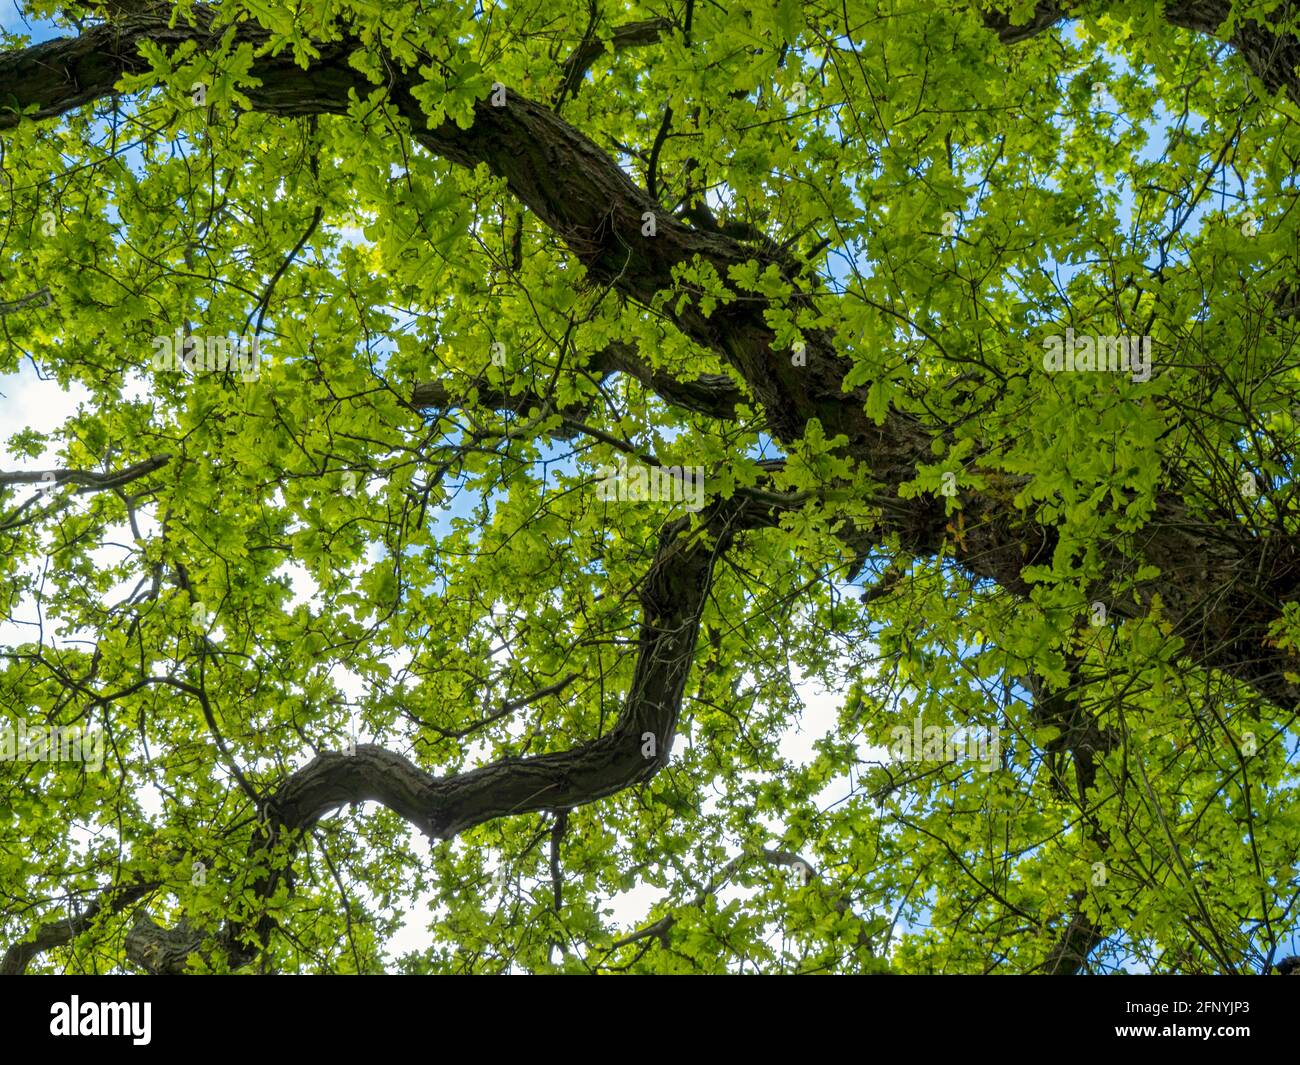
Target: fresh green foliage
pixel 812 250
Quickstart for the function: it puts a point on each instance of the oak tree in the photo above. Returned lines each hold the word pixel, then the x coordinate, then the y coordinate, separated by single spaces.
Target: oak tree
pixel 366 306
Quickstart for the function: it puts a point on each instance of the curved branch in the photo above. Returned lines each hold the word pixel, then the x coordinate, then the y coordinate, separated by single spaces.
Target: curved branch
pixel 672 597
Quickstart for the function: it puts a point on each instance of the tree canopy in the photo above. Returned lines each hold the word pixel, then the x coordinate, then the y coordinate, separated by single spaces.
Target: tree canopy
pixel 651 487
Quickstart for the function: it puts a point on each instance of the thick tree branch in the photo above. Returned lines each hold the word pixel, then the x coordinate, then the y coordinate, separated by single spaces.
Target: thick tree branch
pixel 87 480
pixel 672 596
